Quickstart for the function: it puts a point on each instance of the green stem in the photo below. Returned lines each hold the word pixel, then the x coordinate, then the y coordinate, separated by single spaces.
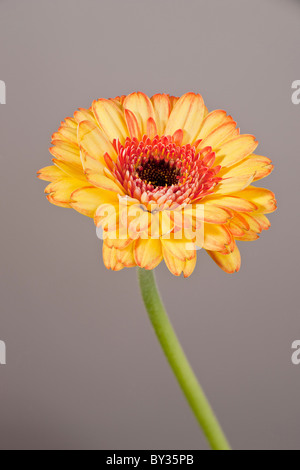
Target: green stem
pixel 179 363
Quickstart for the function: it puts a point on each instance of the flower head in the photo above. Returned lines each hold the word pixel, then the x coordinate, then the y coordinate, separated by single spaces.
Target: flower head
pixel 162 177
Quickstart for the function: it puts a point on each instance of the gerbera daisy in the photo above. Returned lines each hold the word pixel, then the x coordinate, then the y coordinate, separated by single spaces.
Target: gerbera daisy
pixel 163 177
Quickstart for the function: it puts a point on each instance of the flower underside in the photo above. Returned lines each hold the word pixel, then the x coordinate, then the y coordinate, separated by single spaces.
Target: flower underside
pixel 144 161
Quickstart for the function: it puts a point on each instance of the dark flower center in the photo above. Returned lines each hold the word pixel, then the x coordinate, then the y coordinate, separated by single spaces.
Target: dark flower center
pixel 159 173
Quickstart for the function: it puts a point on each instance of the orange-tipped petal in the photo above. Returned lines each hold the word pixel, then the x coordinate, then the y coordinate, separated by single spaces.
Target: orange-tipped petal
pixel 231 202
pixel 264 199
pixel 126 256
pixel 147 253
pixel 187 114
pixel 189 266
pixel 216 238
pixel 50 173
pixel 175 265
pixel 262 220
pixel 74 171
pixel 140 105
pixel 231 185
pixel 61 191
pixel 209 213
pixel 84 115
pixel 178 137
pixel 110 118
pixel 173 101
pixel 236 150
pixel 162 109
pixel 256 165
pixel 133 125
pixel 103 182
pixel 151 128
pixel 230 263
pixel 218 135
pixel 182 249
pixel 253 224
pixel 94 141
pixel 111 258
pixel 66 151
pixel 66 133
pixel 87 200
pixel 212 121
pixel 248 236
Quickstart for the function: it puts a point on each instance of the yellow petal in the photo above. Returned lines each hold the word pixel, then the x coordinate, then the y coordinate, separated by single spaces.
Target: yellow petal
pixel 254 225
pixel 216 215
pixel 208 213
pixel 66 133
pixel 175 265
pixel 182 249
pixel 73 171
pixel 111 119
pixel 236 150
pixel 119 100
pixel 230 263
pixel 264 199
pixel 117 238
pixel 162 109
pixel 84 115
pixel 66 151
pixel 256 165
pixel 151 128
pixel 110 258
pixel 69 122
pixel 217 136
pixel 231 202
pixel 212 121
pixel 231 185
pixel 140 105
pixel 187 114
pixel 126 256
pixel 87 200
pixel 103 182
pixel 50 173
pixel 189 266
pixel 248 236
pixel 60 191
pixel 147 253
pixel 216 238
pixel 235 229
pixel 133 126
pixel 240 221
pixel 173 101
pixel 94 142
pixel 262 220
pixel 90 164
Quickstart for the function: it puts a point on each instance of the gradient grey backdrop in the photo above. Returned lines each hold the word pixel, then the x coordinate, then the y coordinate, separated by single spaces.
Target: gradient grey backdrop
pixel 84 368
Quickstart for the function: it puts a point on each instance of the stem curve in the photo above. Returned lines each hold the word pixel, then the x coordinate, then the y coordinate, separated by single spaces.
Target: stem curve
pixel 179 363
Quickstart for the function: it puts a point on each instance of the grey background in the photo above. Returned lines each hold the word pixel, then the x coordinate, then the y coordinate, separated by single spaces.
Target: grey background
pixel 84 368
